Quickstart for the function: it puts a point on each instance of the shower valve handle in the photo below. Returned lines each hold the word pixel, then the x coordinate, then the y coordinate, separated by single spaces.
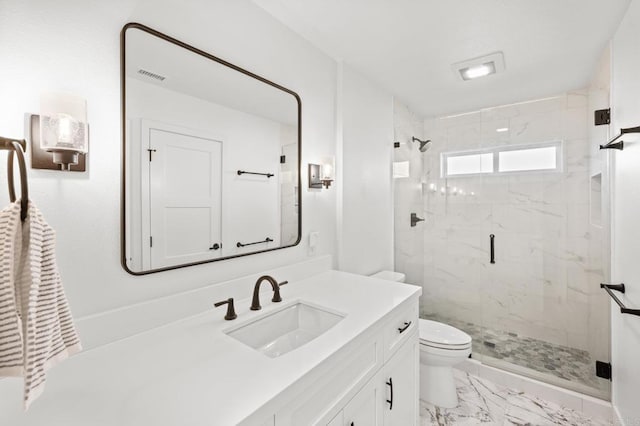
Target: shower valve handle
pixel 415 219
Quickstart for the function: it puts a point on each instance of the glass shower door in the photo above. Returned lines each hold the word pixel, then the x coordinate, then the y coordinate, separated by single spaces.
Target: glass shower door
pixel 539 296
pixel 457 222
pixel 529 175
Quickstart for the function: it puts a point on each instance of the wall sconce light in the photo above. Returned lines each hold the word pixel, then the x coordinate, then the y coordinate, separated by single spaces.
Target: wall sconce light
pixel 322 175
pixel 328 172
pixel 60 134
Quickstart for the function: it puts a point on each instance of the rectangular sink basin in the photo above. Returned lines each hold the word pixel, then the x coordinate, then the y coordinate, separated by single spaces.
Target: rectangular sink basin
pixel 282 331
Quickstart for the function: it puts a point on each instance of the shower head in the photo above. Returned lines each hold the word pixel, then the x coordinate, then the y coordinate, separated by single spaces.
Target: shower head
pixel 424 145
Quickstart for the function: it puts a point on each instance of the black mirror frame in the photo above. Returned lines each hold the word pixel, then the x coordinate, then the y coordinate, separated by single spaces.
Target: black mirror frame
pixel 135 25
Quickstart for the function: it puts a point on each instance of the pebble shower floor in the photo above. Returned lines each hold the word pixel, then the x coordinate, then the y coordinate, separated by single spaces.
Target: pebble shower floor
pixel 575 365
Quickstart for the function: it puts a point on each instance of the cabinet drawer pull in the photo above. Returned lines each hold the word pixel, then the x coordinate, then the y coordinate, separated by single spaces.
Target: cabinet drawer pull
pixel 403 329
pixel 390 401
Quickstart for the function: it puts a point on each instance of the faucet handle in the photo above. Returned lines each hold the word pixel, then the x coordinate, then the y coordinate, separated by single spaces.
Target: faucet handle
pixel 231 312
pixel 276 292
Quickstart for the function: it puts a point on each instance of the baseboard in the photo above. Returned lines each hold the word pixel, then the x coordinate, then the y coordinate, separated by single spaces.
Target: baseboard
pixel 617 418
pixel 592 407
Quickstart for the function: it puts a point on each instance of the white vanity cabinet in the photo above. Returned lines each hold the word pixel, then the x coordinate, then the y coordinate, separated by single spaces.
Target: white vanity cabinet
pixel 338 378
pixel 401 374
pixel 354 386
pixel 376 404
pixel 364 408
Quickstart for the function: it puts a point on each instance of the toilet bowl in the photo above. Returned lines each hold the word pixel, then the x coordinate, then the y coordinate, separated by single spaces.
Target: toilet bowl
pixel 441 347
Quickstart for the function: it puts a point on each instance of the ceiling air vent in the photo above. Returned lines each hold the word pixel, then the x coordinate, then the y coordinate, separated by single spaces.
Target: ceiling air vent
pixel 151 75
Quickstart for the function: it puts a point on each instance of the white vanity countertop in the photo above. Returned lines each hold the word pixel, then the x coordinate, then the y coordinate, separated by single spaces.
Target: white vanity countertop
pixel 191 373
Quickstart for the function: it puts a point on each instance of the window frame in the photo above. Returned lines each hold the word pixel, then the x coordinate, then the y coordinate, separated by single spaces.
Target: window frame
pixel 495 151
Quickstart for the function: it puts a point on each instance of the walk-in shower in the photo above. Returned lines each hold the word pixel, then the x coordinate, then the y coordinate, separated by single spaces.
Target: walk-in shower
pixel 513 246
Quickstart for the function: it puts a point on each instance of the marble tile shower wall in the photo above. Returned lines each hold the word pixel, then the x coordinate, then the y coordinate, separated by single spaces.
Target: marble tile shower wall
pixel 548 257
pixel 408 241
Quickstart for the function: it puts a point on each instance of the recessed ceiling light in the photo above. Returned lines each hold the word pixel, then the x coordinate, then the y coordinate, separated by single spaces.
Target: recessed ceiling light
pixel 502 129
pixel 479 67
pixel 477 71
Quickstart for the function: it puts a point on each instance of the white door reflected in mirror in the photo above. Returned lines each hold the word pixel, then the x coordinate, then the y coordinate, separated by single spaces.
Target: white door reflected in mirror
pixel 185 198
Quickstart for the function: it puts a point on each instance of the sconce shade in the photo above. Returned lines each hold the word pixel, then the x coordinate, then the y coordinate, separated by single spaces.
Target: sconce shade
pixel 63 126
pixel 328 171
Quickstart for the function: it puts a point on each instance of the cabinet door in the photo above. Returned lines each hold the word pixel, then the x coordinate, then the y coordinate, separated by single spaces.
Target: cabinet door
pixel 364 409
pixel 400 396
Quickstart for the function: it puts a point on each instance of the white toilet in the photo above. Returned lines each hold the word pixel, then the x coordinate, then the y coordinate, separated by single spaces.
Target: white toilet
pixel 441 347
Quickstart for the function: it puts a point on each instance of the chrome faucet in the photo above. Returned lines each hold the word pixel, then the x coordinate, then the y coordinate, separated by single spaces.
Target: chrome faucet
pixel 275 286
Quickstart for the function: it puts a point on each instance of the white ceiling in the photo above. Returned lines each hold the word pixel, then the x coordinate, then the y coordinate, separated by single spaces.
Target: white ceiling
pixel 194 75
pixel 408 46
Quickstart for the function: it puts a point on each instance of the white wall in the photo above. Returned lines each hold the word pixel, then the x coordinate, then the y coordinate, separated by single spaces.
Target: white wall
pixel 625 108
pixel 73 46
pixel 407 195
pixel 366 143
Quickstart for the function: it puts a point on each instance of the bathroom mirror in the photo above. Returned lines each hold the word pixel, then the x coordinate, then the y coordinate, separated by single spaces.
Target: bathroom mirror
pixel 211 157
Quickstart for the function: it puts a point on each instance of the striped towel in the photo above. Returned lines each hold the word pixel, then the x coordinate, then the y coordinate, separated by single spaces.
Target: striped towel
pixel 36 328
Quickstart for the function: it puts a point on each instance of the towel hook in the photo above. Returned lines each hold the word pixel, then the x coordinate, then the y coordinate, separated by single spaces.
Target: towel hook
pixel 16 146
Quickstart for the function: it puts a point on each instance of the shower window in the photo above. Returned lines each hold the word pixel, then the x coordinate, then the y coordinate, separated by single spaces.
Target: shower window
pixel 541 157
pixel 457 164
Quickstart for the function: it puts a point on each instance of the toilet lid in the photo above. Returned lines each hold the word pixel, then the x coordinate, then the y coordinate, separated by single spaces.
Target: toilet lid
pixel 442 334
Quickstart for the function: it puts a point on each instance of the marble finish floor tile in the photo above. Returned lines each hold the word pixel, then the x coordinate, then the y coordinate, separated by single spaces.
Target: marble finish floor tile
pixel 481 402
